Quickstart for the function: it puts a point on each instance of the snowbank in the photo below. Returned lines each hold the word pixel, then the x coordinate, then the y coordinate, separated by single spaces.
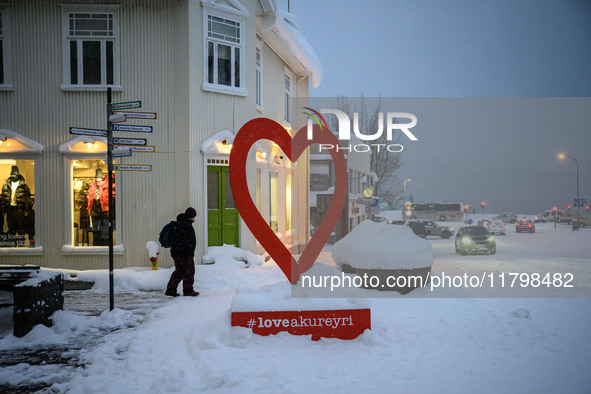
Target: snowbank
pixel 382 246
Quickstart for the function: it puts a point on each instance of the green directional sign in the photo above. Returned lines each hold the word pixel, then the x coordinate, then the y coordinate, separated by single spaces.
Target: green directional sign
pixel 126 105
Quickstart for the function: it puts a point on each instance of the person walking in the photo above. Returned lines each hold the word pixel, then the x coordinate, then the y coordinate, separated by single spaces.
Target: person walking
pixel 183 253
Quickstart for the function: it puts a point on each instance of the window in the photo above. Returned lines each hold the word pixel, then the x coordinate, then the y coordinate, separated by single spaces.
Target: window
pixel 223 54
pixel 274 201
pixel 258 189
pixel 288 201
pixel 90 208
pixel 91 47
pixel 17 203
pixel 259 72
pixel 4 49
pixel 287 96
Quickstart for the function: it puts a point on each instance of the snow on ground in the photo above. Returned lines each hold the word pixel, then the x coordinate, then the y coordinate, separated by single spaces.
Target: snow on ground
pixel 416 344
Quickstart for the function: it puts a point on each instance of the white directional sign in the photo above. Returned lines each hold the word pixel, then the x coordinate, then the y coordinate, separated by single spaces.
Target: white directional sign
pixel 133 128
pixel 126 105
pixel 138 115
pixel 132 167
pixel 129 141
pixel 121 151
pixel 93 132
pixel 137 148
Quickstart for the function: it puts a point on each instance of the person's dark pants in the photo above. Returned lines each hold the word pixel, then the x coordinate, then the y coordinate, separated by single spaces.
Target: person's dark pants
pixel 184 269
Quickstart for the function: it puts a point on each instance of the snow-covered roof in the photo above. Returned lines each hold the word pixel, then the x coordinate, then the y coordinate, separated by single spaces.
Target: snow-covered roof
pixel 21 144
pixel 282 33
pixel 212 144
pixel 78 145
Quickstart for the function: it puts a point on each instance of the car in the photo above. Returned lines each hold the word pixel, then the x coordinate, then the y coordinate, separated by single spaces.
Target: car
pixel 475 239
pixel 435 229
pixel 417 226
pixel 525 225
pixel 585 221
pixel 497 227
pixel 506 217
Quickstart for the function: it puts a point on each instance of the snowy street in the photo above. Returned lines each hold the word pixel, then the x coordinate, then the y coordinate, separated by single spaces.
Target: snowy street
pixel 418 343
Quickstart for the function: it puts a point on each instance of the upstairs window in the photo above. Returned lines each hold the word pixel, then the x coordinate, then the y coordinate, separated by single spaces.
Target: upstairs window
pixel 287 95
pixel 91 47
pixel 4 49
pixel 223 54
pixel 259 72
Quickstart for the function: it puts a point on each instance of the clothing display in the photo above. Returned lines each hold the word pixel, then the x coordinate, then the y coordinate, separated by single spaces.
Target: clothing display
pixel 17 204
pixel 92 210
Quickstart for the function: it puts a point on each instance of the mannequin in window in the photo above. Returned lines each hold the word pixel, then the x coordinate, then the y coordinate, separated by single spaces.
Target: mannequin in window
pixel 99 218
pixel 16 202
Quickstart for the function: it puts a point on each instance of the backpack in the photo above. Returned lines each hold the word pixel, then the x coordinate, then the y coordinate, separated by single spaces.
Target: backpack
pixel 165 237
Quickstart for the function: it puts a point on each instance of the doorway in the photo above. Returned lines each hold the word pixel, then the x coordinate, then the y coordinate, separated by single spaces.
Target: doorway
pixel 222 215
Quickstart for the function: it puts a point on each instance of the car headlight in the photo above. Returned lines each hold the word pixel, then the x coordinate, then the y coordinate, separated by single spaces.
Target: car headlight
pixel 466 240
pixel 491 239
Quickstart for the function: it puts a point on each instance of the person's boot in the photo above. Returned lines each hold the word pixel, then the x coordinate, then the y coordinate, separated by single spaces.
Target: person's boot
pixel 192 294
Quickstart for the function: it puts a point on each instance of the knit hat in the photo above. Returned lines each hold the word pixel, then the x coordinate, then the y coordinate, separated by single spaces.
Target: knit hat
pixel 14 171
pixel 190 212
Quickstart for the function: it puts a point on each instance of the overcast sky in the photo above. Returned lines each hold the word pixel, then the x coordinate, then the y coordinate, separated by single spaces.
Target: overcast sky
pixel 484 48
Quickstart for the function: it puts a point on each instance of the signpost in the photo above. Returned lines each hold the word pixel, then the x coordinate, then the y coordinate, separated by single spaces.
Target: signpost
pixel 91 132
pixel 125 105
pixel 129 141
pixel 133 128
pixel 138 148
pixel 580 202
pixel 133 167
pixel 138 115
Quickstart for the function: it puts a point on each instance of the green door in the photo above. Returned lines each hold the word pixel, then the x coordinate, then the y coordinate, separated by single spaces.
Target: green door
pixel 222 215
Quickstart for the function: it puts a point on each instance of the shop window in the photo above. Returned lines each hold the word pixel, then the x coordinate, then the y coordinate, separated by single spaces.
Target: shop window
pixel 17 203
pixel 90 208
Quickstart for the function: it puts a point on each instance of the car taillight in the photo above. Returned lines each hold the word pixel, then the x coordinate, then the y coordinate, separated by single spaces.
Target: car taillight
pixel 529 225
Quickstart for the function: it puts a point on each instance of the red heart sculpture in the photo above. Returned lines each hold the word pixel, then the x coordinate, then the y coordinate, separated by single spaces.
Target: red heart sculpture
pixel 262 128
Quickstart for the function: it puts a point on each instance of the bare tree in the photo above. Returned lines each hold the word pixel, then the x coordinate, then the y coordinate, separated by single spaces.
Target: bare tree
pixel 384 164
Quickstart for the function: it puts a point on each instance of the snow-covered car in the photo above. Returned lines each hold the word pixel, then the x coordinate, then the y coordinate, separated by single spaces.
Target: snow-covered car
pixel 497 227
pixel 525 225
pixel 433 228
pixel 506 217
pixel 475 239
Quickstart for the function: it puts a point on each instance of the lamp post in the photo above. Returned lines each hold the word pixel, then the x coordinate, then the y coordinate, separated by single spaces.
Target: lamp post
pixel 404 189
pixel 561 156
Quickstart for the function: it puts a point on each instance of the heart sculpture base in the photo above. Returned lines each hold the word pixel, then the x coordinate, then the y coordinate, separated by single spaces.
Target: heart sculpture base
pixel 340 323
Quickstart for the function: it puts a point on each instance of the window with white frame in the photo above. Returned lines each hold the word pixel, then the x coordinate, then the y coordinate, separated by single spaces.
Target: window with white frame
pixel 4 47
pixel 287 95
pixel 223 46
pixel 259 72
pixel 91 46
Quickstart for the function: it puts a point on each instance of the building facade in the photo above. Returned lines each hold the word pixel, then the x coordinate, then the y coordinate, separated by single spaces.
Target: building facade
pixel 204 68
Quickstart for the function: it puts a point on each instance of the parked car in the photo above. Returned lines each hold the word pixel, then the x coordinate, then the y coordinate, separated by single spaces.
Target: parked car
pixel 475 239
pixel 416 226
pixel 525 225
pixel 497 227
pixel 584 221
pixel 433 228
pixel 506 217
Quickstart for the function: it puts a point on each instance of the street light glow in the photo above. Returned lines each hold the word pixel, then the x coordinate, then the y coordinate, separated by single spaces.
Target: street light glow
pixel 561 156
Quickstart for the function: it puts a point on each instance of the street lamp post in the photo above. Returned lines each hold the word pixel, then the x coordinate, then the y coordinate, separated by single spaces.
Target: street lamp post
pixel 561 156
pixel 404 189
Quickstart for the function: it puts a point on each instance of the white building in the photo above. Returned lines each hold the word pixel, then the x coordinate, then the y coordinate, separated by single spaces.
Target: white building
pixel 204 67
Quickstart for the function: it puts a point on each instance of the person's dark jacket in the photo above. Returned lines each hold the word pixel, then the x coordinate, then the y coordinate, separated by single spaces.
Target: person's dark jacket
pixel 183 237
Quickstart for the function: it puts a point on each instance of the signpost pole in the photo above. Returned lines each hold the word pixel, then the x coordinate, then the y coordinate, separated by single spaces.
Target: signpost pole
pixel 111 202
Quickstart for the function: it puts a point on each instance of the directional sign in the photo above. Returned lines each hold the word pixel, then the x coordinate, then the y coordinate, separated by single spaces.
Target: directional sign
pixel 138 115
pixel 93 132
pixel 129 141
pixel 126 105
pixel 580 202
pixel 132 167
pixel 121 151
pixel 136 148
pixel 133 128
